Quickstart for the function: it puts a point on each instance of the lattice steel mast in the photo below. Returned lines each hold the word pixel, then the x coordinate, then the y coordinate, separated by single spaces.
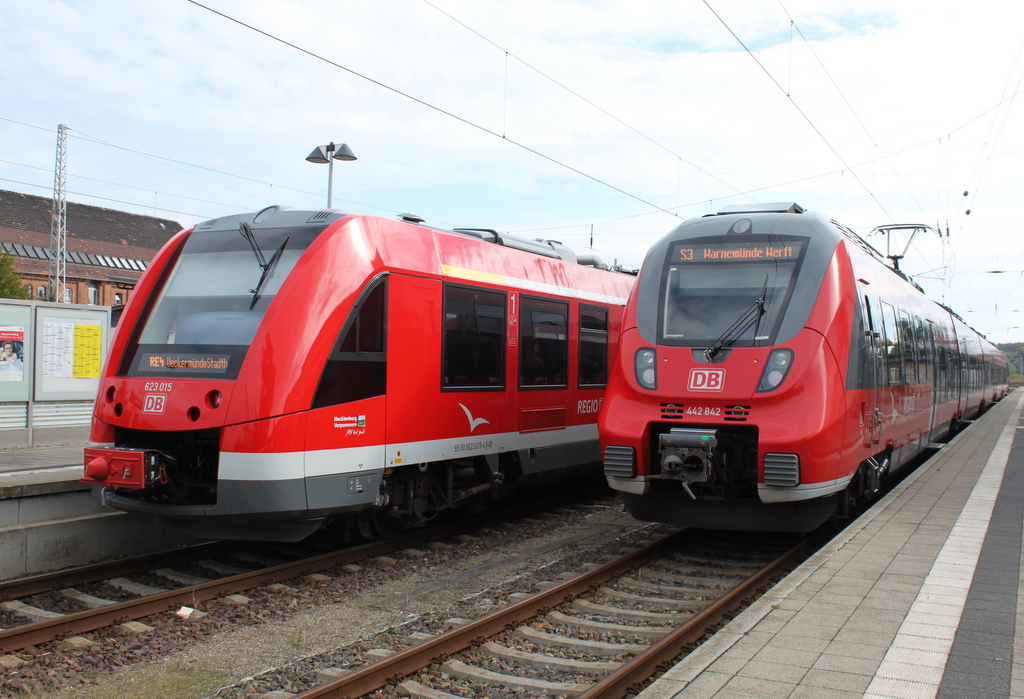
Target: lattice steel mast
pixel 59 222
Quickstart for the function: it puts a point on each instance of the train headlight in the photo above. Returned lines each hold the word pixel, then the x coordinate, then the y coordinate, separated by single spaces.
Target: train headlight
pixel 775 372
pixel 646 372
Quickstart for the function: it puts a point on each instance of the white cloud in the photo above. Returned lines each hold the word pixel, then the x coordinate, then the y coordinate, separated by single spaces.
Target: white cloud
pixel 179 82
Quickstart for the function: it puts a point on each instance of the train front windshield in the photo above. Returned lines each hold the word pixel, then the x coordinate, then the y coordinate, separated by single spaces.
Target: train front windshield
pixel 718 289
pixel 209 309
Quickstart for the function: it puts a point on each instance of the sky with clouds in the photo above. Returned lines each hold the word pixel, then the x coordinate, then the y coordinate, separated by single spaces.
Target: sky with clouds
pixel 561 119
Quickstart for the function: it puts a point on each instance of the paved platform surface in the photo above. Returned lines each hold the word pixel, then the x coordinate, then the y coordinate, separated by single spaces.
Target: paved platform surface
pixel 40 465
pixel 917 598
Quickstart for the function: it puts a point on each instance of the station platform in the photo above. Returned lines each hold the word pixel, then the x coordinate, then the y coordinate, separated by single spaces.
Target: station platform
pixel 49 520
pixel 33 470
pixel 916 598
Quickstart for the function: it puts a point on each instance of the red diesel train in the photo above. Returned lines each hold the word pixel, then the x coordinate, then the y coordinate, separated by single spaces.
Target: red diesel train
pixel 277 370
pixel 773 370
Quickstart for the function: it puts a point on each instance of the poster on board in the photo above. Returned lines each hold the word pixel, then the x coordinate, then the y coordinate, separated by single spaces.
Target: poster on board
pixel 12 353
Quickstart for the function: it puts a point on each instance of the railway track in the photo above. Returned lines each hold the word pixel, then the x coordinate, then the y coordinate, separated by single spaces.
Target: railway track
pixel 596 635
pixel 64 604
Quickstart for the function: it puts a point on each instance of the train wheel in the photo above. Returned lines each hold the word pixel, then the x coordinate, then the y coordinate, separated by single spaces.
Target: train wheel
pixel 387 524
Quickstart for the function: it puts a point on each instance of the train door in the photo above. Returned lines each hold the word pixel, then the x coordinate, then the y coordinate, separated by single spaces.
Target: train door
pixel 346 430
pixel 876 373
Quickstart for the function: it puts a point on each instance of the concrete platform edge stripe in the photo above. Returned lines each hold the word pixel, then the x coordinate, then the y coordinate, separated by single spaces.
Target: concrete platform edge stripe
pixel 963 547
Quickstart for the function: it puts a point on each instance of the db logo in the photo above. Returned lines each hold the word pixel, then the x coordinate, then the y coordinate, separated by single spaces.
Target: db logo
pixel 154 403
pixel 706 380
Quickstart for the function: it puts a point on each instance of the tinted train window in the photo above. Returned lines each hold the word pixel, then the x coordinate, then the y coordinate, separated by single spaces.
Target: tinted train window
pixel 357 367
pixel 593 370
pixel 543 343
pixel 893 360
pixel 907 338
pixel 729 288
pixel 474 338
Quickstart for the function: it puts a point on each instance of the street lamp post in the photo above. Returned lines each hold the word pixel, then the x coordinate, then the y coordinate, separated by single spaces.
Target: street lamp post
pixel 328 154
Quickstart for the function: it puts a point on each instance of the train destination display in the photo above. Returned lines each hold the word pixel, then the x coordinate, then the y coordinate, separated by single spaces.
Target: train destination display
pixel 731 252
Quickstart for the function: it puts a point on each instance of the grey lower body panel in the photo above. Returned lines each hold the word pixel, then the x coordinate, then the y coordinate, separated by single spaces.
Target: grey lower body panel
pixel 285 510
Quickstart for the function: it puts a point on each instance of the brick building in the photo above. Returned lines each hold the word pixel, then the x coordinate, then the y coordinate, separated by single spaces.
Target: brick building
pixel 107 250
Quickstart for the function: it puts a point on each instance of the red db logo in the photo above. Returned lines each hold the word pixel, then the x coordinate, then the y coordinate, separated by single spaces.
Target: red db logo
pixel 155 403
pixel 706 380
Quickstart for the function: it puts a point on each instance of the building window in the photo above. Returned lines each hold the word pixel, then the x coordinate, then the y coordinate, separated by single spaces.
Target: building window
pixel 94 294
pixel 69 296
pixel 117 300
pixel 41 293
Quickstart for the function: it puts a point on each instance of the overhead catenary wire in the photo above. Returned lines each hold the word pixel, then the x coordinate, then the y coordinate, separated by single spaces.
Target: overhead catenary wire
pixel 800 111
pixel 428 105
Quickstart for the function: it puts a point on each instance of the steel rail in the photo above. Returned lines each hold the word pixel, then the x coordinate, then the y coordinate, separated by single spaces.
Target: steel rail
pixel 93 572
pixel 15 639
pixel 372 677
pixel 630 676
pixel 92 619
pixel 375 675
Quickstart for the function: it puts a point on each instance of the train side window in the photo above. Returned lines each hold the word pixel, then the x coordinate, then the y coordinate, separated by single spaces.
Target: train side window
pixel 925 353
pixel 907 337
pixel 893 360
pixel 357 367
pixel 543 343
pixel 593 349
pixel 474 338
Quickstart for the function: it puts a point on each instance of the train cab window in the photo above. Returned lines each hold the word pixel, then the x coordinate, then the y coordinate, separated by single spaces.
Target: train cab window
pixel 712 289
pixel 357 367
pixel 543 343
pixel 474 339
pixel 593 355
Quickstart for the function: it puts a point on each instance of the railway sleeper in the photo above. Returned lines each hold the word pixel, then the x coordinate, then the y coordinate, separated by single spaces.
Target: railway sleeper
pixel 687 604
pixel 722 562
pixel 34 613
pixel 180 578
pixel 713 589
pixel 88 601
pixel 590 626
pixel 415 690
pixel 547 662
pixel 136 588
pixel 457 668
pixel 605 610
pixel 542 638
pixel 684 576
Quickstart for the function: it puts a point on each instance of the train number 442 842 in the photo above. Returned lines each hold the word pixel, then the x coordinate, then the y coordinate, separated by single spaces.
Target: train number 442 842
pixel 702 410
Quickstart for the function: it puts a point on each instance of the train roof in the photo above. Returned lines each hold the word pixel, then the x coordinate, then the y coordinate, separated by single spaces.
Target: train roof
pixel 287 217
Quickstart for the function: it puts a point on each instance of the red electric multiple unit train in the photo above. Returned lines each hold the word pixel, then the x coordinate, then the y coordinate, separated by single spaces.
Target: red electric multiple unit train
pixel 773 370
pixel 280 369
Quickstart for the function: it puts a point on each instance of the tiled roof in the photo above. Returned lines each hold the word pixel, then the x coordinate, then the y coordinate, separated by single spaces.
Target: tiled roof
pixel 32 214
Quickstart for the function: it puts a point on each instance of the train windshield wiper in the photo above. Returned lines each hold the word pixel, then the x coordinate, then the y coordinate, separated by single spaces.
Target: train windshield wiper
pixel 246 231
pixel 749 317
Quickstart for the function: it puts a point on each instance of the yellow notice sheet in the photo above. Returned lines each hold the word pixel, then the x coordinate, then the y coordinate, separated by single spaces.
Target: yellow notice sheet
pixel 88 351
